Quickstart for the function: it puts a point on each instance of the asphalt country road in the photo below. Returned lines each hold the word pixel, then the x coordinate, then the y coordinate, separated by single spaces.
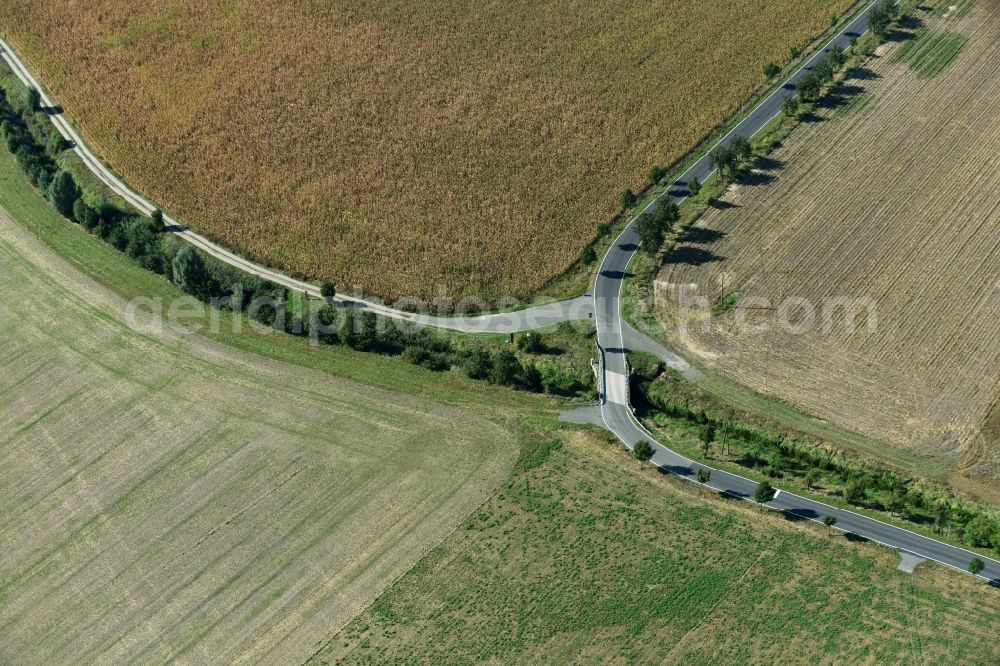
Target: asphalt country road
pixel 613 339
pixel 604 306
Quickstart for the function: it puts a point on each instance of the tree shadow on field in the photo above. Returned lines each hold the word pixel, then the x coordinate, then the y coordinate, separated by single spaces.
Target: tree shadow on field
pixel 691 256
pixel 904 30
pixel 718 204
pixel 756 177
pixel 839 95
pixel 856 538
pixel 701 235
pixel 765 163
pixel 863 74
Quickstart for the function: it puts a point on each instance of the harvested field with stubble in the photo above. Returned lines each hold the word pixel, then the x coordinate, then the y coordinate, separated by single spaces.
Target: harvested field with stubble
pixel 403 145
pixel 167 498
pixel 893 200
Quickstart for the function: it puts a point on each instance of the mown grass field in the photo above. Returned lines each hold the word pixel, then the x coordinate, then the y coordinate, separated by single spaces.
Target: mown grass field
pixel 892 199
pixel 583 558
pixel 398 145
pixel 168 498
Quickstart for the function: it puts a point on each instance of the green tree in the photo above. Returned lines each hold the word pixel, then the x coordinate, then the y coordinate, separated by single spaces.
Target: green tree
pixel 189 272
pixel 29 100
pixel 704 476
pixel 84 214
pixel 812 476
pixel 63 193
pixel 980 531
pixel 771 70
pixel 794 52
pixel 829 521
pixel 367 337
pixel 56 143
pixel 348 333
pixel 856 491
pixel 837 55
pixel 628 199
pixel 742 147
pixel 791 106
pixel 532 378
pixel 505 368
pixel 809 87
pixel 642 450
pixel 764 492
pixel 588 255
pixel 650 232
pixel 707 436
pixel 880 18
pixel 725 160
pixel 656 174
pixel 157 217
pixel 976 566
pixel 327 291
pixel 477 364
pixel 667 214
pixel 694 186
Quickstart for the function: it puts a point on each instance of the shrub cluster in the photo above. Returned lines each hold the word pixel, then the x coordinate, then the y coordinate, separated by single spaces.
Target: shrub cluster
pixel 811 84
pixel 28 134
pixel 860 482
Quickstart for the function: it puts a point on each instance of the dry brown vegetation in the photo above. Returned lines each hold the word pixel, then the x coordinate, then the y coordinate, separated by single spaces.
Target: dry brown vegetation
pixel 166 498
pixel 400 145
pixel 893 199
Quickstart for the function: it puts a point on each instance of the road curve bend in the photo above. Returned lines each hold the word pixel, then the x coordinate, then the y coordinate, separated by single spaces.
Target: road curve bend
pixel 502 322
pixel 613 334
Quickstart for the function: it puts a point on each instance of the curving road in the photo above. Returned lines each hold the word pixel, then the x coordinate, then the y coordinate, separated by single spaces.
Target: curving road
pixel 502 322
pixel 604 306
pixel 614 335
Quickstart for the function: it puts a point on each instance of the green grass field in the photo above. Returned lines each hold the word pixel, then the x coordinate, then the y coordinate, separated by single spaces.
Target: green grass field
pixel 930 53
pixel 584 558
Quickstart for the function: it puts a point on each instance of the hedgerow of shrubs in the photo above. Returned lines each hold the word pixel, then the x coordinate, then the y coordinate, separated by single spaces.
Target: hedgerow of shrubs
pixel 35 143
pixel 861 482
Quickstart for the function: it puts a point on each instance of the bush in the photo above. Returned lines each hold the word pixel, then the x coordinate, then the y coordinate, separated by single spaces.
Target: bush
pixel 530 342
pixel 628 199
pixel 643 450
pixel 189 272
pixel 981 531
pixel 976 566
pixel 791 106
pixel 742 147
pixel 694 186
pixel 656 174
pixel 764 493
pixel 532 378
pixel 477 364
pixel 588 255
pixel 809 87
pixel 505 368
pixel 771 70
pixel 63 193
pixel 327 290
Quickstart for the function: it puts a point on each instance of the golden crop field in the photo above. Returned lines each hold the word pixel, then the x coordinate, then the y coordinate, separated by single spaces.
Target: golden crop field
pixel 403 145
pixel 890 196
pixel 165 498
